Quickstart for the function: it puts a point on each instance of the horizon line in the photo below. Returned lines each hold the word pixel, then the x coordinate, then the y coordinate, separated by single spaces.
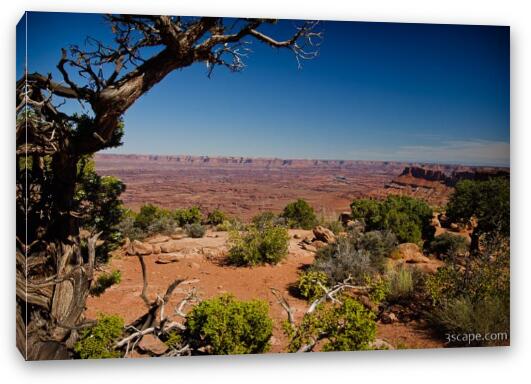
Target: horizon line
pixel 409 162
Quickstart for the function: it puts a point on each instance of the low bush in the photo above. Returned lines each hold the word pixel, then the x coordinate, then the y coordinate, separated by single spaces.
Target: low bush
pixel 258 246
pixel 148 215
pixel 448 245
pixel 195 230
pixel 311 283
pixel 231 224
pixel 267 219
pixel 185 216
pixel 401 284
pixel 473 298
pixel 359 255
pixel 346 327
pixel 299 214
pixel 216 217
pixel 104 281
pixel 127 226
pixel 97 341
pixel 226 326
pixel 462 316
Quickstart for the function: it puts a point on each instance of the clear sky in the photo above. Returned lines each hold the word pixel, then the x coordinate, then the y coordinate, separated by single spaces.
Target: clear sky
pixel 377 91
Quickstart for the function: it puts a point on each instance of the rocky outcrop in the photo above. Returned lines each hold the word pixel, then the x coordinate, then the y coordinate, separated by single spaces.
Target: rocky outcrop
pixel 410 255
pixel 448 176
pixel 324 234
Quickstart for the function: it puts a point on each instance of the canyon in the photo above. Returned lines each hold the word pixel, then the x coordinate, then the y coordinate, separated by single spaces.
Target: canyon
pixel 243 186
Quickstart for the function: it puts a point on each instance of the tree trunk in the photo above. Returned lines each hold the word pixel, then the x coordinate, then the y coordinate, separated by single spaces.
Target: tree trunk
pixel 53 274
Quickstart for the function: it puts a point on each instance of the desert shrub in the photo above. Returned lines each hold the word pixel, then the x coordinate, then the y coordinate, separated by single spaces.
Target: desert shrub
pixel 334 226
pixel 258 246
pixel 357 255
pixel 448 245
pixel 346 327
pixel 401 284
pixel 299 214
pixel 461 315
pixel 185 216
pixel 164 225
pixel 231 224
pixel 148 215
pixel 229 326
pixel 378 288
pixel 408 218
pixel 195 230
pixel 268 219
pixel 128 228
pixel 473 298
pixel 97 201
pixel 97 342
pixel 309 284
pixel 173 340
pixel 216 217
pixel 104 281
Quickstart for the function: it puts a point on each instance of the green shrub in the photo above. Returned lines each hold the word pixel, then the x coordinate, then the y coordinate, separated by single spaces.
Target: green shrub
pixel 97 341
pixel 231 224
pixel 128 228
pixel 448 245
pixel 359 255
pixel 346 327
pixel 195 230
pixel 461 315
pixel 149 221
pixel 408 218
pixel 191 215
pixel 104 281
pixel 300 214
pixel 216 217
pixel 229 326
pixel 173 340
pixel 148 215
pixel 258 246
pixel 309 284
pixel 265 219
pixel 401 284
pixel 378 288
pixel 474 298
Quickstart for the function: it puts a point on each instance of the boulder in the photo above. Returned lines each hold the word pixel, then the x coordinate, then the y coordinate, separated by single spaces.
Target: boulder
pixel 139 248
pixel 416 259
pixel 308 247
pixel 380 344
pixel 345 217
pixel 170 246
pixel 152 344
pixel 156 249
pixel 388 318
pixel 318 244
pixel 159 239
pixel 406 251
pixel 308 239
pixel 296 236
pixel 168 258
pixel 324 234
pixel 355 225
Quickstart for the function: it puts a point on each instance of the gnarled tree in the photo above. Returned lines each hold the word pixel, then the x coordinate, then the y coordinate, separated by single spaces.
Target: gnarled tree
pixel 54 265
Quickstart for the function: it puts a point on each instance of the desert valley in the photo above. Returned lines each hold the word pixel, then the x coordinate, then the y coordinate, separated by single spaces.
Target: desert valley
pixel 244 189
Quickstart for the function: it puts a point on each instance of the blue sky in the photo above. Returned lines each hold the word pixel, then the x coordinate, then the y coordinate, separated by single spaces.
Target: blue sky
pixel 377 91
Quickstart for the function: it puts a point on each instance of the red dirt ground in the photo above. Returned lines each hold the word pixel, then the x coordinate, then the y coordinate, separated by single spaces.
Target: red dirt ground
pixel 216 278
